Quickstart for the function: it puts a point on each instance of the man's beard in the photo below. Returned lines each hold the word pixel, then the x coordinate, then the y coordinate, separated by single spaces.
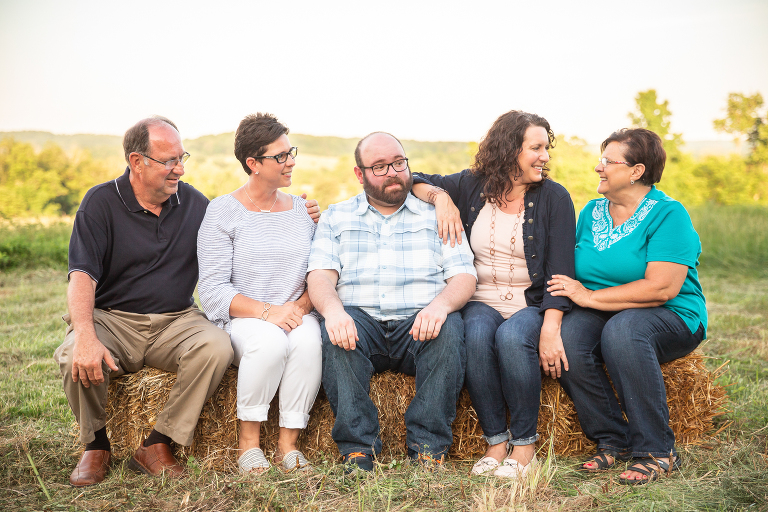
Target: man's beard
pixel 394 197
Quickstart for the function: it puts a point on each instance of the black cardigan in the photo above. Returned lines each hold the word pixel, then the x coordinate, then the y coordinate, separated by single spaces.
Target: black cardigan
pixel 549 230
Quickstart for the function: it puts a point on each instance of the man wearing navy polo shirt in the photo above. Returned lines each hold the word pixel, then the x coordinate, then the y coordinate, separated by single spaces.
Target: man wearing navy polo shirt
pixel 132 273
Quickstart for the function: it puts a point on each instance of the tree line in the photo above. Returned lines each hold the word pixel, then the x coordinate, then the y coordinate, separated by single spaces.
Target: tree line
pixel 51 182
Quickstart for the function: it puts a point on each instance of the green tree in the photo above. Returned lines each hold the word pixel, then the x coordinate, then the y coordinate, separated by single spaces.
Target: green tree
pixel 655 116
pixel 572 164
pixel 46 183
pixel 745 118
pixel 27 187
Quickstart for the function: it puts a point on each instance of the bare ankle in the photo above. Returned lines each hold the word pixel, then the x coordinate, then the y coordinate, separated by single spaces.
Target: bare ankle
pixel 497 451
pixel 523 454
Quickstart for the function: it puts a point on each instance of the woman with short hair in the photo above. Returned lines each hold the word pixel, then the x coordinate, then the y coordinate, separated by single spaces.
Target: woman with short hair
pixel 638 303
pixel 253 249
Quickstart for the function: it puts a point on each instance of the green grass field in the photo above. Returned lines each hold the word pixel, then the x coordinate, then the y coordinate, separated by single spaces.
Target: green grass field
pixel 727 472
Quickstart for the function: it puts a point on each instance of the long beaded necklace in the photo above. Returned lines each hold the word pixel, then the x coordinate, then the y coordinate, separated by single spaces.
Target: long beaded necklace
pixel 508 295
pixel 257 206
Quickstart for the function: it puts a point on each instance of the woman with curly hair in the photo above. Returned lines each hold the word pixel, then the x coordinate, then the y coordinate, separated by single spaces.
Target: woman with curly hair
pixel 521 227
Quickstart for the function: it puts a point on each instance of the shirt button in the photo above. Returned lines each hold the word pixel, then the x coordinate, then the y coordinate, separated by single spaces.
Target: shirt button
pixel 530 205
pixel 473 208
pixel 530 221
pixel 482 194
pixel 530 237
pixel 535 274
pixel 533 256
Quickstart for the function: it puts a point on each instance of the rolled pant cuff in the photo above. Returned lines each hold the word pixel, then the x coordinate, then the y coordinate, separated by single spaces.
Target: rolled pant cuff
pixel 657 455
pixel 610 447
pixel 253 412
pixel 498 438
pixel 524 441
pixel 293 419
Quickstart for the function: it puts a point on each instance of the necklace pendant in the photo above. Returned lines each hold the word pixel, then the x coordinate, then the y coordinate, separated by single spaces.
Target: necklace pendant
pixel 508 296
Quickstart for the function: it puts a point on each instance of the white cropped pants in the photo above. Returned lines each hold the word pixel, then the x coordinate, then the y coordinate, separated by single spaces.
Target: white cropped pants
pixel 268 358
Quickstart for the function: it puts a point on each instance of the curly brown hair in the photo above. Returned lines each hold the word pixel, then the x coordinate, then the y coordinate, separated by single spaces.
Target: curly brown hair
pixel 496 158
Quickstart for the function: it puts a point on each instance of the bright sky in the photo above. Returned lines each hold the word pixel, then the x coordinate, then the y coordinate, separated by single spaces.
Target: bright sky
pixel 427 70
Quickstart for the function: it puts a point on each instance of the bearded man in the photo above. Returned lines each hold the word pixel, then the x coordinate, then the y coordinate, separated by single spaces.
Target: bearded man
pixel 389 291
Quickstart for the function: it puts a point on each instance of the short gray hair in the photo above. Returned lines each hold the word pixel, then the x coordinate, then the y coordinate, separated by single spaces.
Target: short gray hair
pixel 136 139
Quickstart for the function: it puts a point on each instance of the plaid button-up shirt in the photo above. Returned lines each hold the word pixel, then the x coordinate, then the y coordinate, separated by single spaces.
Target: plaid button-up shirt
pixel 391 267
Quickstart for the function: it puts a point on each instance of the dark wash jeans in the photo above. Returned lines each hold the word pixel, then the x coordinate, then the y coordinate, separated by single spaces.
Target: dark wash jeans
pixel 438 365
pixel 632 343
pixel 503 371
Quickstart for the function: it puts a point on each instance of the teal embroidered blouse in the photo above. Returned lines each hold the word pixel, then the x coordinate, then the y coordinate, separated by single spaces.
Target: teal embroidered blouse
pixel 659 230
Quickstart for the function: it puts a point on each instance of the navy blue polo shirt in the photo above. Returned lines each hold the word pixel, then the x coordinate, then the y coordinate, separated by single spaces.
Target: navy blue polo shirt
pixel 141 262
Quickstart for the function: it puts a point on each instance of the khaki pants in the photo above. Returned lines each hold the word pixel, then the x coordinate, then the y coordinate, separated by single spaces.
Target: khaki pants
pixel 184 342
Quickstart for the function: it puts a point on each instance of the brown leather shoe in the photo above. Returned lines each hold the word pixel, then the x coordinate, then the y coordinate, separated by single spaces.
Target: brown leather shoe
pixel 91 469
pixel 153 460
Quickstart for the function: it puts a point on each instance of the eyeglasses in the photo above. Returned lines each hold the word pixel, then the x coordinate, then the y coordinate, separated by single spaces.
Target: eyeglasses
pixel 281 158
pixel 605 162
pixel 172 163
pixel 382 169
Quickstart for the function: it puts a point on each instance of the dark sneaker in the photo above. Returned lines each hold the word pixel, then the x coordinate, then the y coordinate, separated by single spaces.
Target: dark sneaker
pixel 357 461
pixel 430 463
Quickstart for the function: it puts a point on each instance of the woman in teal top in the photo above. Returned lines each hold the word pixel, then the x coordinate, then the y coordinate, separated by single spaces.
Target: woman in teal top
pixel 638 303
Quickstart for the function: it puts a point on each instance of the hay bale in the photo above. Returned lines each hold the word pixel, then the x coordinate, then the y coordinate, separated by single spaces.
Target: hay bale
pixel 135 400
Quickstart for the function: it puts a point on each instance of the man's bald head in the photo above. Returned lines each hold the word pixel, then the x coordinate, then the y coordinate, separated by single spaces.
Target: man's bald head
pixel 136 139
pixel 371 137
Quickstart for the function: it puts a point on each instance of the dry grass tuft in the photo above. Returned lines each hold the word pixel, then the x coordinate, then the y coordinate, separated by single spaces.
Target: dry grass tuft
pixel 135 400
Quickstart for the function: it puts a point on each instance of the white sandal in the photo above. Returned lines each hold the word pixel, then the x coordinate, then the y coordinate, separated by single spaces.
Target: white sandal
pixel 253 460
pixel 510 468
pixel 485 465
pixel 295 460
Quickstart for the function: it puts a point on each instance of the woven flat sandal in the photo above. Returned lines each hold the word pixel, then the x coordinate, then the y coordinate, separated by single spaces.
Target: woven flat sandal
pixel 601 459
pixel 295 460
pixel 649 467
pixel 485 465
pixel 253 461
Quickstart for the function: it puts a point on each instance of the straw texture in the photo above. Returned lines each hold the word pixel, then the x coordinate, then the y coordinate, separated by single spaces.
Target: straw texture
pixel 136 399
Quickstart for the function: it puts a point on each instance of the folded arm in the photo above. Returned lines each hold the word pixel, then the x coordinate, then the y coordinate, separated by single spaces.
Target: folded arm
pixel 661 283
pixel 287 316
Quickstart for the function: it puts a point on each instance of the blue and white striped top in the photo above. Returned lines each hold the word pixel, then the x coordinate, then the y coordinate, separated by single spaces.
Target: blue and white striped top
pixel 390 267
pixel 260 255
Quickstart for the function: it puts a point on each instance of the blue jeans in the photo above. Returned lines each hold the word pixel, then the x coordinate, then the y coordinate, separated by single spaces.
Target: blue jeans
pixel 503 371
pixel 438 365
pixel 631 344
